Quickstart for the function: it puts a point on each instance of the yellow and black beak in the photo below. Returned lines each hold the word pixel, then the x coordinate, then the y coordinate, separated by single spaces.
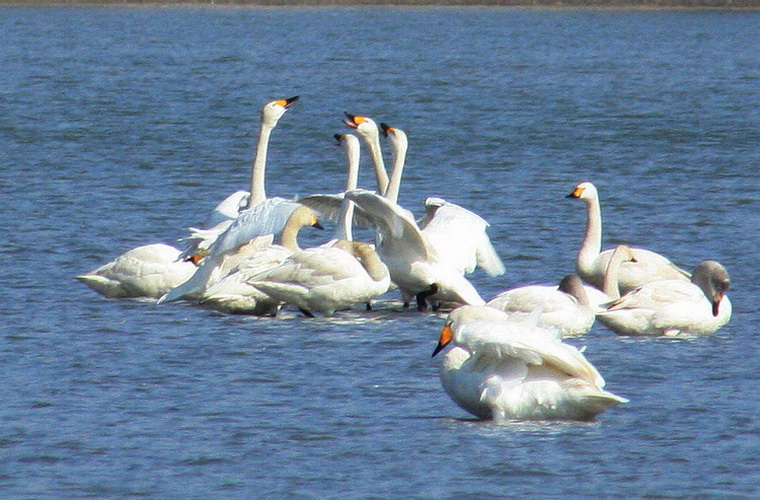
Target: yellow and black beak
pixel 286 103
pixel 387 129
pixel 446 335
pixel 577 192
pixel 353 121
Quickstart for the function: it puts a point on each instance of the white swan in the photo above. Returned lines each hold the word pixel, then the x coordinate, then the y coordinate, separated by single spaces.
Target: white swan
pixel 412 262
pixel 263 219
pixel 591 263
pixel 200 240
pixel 565 308
pixel 146 271
pixel 326 279
pixel 458 235
pixel 674 307
pixel 502 369
pixel 368 130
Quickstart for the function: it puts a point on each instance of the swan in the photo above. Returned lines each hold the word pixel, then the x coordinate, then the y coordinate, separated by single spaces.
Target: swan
pixel 591 263
pixel 200 240
pixel 458 235
pixel 674 307
pixel 370 133
pixel 146 271
pixel 326 279
pixel 261 220
pixel 501 369
pixel 412 262
pixel 565 308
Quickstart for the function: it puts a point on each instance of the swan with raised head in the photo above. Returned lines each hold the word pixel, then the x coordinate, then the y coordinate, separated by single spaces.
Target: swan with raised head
pixel 591 262
pixel 146 271
pixel 200 240
pixel 501 369
pixel 368 130
pixel 674 307
pixel 565 309
pixel 412 262
pixel 458 235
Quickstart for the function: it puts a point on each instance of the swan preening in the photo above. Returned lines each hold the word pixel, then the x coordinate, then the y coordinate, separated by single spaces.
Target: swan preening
pixel 504 369
pixel 508 359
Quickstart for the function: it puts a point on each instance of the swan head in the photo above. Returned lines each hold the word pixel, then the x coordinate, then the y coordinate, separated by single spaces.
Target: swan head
pixel 349 141
pixel 303 216
pixel 584 191
pixel 396 137
pixel 452 329
pixel 365 126
pixel 273 111
pixel 712 278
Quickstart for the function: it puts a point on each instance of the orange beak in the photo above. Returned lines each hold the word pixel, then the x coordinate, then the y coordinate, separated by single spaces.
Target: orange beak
pixel 446 335
pixel 577 192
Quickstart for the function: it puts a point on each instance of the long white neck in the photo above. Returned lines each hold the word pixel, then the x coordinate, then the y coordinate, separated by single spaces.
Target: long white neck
pixel 258 172
pixel 381 176
pixel 346 219
pixel 399 158
pixel 610 286
pixel 592 242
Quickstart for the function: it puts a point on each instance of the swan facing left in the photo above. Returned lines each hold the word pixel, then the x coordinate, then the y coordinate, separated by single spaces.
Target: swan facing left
pixel 146 271
pixel 501 369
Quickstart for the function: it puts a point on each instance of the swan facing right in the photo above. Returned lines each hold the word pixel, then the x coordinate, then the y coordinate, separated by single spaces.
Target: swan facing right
pixel 501 369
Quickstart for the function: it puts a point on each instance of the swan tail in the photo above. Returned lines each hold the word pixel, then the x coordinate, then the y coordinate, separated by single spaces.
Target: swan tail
pixel 101 284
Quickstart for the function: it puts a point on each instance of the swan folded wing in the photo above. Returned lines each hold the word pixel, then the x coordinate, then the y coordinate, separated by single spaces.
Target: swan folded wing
pixel 657 295
pixel 535 346
pixel 392 221
pixel 328 207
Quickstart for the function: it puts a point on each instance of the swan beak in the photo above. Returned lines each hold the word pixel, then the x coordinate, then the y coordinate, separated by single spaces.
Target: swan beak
pixel 577 192
pixel 317 225
pixel 339 138
pixel 446 335
pixel 353 121
pixel 387 129
pixel 286 103
pixel 716 306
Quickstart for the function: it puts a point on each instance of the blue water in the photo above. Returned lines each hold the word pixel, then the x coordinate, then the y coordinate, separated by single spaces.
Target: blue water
pixel 123 127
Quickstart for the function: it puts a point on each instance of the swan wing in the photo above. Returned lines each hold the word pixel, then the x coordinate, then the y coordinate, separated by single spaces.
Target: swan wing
pixel 328 207
pixel 394 223
pixel 533 345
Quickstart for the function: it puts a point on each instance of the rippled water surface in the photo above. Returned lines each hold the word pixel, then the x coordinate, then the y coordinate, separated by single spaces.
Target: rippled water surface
pixel 123 127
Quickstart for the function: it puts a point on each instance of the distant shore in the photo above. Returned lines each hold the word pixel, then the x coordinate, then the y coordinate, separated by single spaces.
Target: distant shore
pixel 645 4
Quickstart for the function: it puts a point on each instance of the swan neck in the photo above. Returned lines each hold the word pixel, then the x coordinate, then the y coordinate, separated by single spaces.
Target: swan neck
pixel 289 236
pixel 610 285
pixel 258 171
pixel 345 221
pixel 381 176
pixel 592 241
pixel 399 158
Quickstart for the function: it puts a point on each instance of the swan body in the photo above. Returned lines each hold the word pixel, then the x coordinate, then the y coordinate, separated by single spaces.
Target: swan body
pixel 674 307
pixel 273 216
pixel 591 262
pixel 326 279
pixel 565 308
pixel 501 369
pixel 412 263
pixel 146 271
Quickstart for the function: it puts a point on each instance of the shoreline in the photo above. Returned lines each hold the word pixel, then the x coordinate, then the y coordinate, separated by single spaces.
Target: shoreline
pixel 547 4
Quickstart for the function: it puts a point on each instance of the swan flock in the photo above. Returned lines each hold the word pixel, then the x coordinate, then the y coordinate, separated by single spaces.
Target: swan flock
pixel 506 357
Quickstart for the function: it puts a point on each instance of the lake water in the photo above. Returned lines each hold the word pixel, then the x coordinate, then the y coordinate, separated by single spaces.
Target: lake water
pixel 123 127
